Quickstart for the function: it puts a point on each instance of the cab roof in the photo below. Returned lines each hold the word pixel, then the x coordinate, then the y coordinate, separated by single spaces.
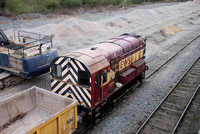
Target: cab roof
pixel 93 60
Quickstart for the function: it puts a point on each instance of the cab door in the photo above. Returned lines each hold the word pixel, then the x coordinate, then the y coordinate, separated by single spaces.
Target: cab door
pixel 104 83
pixel 101 85
pixel 98 87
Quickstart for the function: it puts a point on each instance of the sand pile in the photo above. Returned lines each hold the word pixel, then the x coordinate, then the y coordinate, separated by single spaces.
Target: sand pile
pixel 171 30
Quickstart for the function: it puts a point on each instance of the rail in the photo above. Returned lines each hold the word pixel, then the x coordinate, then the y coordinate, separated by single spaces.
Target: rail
pixel 142 126
pixel 185 110
pixel 157 55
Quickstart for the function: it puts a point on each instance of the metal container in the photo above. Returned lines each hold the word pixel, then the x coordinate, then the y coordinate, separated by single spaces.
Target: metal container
pixel 38 111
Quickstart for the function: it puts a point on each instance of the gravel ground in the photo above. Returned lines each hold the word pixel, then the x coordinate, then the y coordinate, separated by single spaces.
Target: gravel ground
pixel 164 24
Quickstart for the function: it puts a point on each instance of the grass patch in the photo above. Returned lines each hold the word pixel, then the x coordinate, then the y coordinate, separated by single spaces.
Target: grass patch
pixel 26 6
pixel 17 7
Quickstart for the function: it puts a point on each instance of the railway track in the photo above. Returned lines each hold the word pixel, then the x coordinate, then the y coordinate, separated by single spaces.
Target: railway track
pixel 160 59
pixel 168 114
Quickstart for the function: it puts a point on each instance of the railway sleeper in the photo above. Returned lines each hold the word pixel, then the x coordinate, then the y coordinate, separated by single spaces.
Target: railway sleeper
pixel 173 106
pixel 180 100
pixel 183 93
pixel 192 74
pixel 196 66
pixel 151 129
pixel 195 71
pixel 184 85
pixel 184 89
pixel 164 116
pixel 169 111
pixel 167 126
pixel 176 102
pixel 190 79
pixel 190 82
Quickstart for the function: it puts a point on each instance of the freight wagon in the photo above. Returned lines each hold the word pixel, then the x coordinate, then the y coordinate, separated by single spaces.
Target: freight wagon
pixel 94 76
pixel 25 55
pixel 38 111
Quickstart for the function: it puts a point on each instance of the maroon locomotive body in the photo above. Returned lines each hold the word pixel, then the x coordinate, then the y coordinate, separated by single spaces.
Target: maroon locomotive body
pixel 94 75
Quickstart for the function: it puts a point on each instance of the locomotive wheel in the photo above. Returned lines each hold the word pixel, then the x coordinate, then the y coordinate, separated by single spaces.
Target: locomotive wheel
pixel 142 77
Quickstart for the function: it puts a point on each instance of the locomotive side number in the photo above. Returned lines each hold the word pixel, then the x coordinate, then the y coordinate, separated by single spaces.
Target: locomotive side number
pixel 124 63
pixel 130 59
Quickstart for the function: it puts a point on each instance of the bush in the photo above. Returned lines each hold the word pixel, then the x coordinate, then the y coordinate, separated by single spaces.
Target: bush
pixel 50 4
pixel 16 6
pixel 2 3
pixel 71 3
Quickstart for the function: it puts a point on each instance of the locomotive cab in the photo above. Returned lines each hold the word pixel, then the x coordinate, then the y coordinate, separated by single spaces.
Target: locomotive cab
pixel 77 74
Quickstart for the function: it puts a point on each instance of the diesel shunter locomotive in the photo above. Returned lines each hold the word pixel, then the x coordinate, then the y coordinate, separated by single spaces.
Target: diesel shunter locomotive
pixel 93 76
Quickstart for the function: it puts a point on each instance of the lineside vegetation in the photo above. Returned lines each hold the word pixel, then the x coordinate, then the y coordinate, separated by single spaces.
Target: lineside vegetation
pixel 28 6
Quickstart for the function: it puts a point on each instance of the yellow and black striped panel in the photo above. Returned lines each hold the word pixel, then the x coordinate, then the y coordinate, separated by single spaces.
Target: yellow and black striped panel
pixel 68 84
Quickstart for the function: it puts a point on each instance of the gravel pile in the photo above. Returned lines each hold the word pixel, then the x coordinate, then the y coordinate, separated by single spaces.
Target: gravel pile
pixel 72 33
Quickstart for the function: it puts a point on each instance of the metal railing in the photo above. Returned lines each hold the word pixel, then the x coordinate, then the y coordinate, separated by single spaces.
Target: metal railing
pixel 30 40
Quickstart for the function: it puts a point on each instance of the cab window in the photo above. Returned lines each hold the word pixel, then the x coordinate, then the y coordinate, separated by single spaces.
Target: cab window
pixel 57 71
pixel 98 80
pixel 113 66
pixel 104 76
pixel 83 78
